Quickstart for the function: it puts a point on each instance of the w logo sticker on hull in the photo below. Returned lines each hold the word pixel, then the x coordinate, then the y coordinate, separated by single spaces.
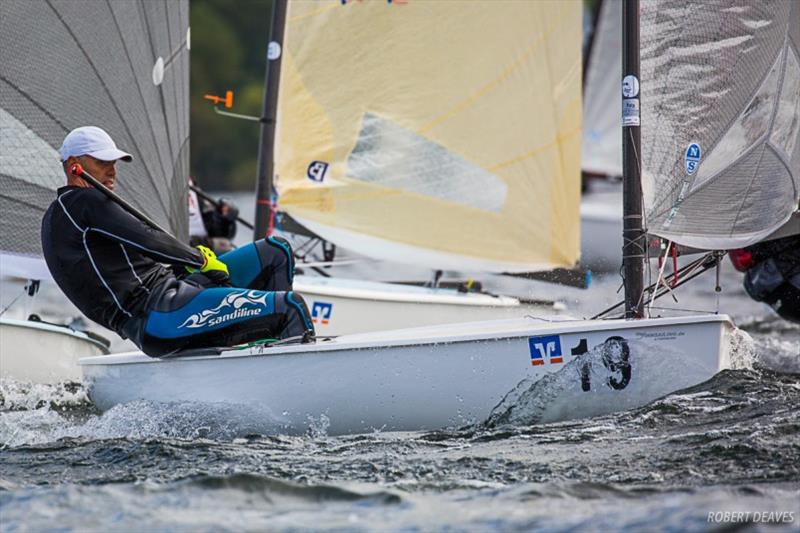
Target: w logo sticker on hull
pixel 545 350
pixel 232 306
pixel 321 312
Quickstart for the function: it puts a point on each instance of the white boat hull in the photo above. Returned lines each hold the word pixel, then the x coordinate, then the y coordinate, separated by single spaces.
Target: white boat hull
pixel 423 378
pixel 342 306
pixel 42 353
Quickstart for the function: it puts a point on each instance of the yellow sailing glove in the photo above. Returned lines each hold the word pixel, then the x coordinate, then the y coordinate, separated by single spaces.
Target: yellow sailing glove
pixel 211 262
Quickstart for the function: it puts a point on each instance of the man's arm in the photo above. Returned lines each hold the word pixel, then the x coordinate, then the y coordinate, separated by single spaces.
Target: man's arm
pixel 105 217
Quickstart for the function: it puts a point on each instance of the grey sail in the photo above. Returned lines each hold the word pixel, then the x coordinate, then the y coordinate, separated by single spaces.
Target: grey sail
pixel 122 65
pixel 602 107
pixel 720 99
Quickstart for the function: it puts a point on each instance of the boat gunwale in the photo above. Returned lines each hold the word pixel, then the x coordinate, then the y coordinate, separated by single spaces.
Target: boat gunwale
pixel 537 329
pixel 43 326
pixel 464 299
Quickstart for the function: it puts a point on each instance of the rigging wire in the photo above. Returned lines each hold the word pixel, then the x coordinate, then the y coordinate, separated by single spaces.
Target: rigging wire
pixel 659 277
pixel 687 273
pixel 24 291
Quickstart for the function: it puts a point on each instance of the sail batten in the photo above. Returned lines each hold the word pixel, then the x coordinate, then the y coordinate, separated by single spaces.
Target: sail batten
pixel 450 129
pixel 720 120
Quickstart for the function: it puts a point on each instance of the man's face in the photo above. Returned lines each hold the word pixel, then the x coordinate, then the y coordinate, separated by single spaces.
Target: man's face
pixel 104 171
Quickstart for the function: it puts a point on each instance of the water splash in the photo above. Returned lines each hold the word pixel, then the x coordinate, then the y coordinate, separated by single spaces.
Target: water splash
pixel 318 427
pixel 19 395
pixel 564 395
pixel 137 420
pixel 741 349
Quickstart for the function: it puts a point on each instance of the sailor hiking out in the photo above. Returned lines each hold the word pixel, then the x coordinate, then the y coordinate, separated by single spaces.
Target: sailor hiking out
pixel 148 287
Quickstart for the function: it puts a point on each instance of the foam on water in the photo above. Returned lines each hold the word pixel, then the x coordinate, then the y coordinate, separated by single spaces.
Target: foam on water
pixel 136 420
pixel 19 395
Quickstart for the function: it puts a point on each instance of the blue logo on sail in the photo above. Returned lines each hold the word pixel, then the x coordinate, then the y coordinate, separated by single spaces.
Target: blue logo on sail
pixel 692 158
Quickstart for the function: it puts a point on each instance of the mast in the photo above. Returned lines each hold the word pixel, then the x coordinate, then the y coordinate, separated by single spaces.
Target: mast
pixel 633 236
pixel 266 147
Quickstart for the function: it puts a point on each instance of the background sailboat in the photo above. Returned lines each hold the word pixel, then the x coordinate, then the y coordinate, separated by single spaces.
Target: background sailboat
pixel 601 158
pixel 427 378
pixel 119 65
pixel 602 107
pixel 403 136
pixel 411 168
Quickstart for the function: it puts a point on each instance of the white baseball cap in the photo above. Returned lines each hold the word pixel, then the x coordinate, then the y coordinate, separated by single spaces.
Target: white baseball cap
pixel 92 141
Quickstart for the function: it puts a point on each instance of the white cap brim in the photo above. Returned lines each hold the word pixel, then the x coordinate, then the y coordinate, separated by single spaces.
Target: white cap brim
pixel 111 154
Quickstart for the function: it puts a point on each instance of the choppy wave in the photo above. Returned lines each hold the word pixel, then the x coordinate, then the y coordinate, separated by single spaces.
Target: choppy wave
pixel 243 502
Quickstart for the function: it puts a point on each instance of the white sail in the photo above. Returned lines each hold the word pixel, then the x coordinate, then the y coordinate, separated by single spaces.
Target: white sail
pixel 446 134
pixel 720 94
pixel 120 65
pixel 602 106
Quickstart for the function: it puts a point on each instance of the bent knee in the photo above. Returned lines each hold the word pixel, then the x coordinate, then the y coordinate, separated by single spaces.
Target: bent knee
pixel 296 303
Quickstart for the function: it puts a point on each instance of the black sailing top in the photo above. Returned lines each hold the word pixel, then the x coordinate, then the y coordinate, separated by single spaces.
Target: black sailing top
pixel 105 260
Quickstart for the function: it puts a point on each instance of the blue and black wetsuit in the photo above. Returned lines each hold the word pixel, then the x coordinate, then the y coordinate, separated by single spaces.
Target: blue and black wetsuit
pixel 112 267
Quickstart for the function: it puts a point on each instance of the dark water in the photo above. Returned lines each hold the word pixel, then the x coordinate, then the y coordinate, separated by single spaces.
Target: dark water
pixel 730 445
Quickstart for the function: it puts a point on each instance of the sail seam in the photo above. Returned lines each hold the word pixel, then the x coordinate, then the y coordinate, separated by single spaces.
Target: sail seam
pixel 173 53
pixel 747 191
pixel 35 103
pixel 779 153
pixel 138 86
pixel 183 126
pixel 487 88
pixel 159 88
pixel 18 200
pixel 763 140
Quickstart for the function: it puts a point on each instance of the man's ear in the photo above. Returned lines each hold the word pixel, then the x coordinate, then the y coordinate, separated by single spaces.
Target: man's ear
pixel 71 160
pixel 73 180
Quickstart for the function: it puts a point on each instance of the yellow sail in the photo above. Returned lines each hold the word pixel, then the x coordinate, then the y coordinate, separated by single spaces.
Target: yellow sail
pixel 440 133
